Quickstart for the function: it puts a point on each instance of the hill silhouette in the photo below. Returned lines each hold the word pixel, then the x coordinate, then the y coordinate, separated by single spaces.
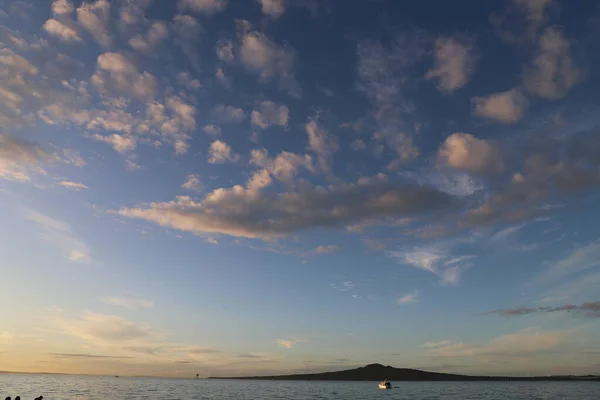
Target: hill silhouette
pixel 377 372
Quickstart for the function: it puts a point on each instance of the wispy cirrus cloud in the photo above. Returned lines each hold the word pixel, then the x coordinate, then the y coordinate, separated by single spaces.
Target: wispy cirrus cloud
pixel 323 249
pixel 409 298
pixel 436 258
pixel 523 343
pixel 60 235
pixel 129 302
pixel 288 343
pixel 78 355
pixel 76 186
pixel 580 259
pixel 589 309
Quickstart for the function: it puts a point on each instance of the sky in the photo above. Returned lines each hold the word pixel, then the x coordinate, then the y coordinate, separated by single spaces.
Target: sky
pixel 230 187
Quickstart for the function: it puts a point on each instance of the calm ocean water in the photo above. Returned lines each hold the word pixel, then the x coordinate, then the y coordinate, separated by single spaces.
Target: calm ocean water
pixel 57 387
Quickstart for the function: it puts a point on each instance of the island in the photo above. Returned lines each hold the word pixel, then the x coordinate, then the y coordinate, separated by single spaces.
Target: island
pixel 377 372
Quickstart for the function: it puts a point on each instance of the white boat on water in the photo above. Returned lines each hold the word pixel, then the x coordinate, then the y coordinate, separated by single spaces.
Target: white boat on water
pixel 384 384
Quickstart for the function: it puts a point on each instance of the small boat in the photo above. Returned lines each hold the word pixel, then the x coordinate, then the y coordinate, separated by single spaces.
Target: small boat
pixel 385 384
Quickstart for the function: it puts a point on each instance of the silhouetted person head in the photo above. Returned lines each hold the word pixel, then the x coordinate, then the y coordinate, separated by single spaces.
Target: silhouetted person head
pixel 8 398
pixel 18 398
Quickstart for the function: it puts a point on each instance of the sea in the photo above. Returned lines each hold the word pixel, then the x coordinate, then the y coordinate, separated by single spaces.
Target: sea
pixel 59 387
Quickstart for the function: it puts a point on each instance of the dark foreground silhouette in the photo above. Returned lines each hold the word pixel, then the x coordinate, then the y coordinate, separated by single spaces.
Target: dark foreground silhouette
pixel 375 372
pixel 19 398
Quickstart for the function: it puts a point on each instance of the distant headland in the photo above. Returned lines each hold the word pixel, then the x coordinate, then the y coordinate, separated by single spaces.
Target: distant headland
pixel 376 372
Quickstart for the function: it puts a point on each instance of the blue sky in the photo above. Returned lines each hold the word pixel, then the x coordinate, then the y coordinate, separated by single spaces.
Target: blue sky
pixel 270 186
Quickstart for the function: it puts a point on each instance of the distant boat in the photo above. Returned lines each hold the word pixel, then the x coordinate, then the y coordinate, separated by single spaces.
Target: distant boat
pixel 385 384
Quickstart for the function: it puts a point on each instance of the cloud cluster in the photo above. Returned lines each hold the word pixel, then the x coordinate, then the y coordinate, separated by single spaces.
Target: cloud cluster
pixel 239 211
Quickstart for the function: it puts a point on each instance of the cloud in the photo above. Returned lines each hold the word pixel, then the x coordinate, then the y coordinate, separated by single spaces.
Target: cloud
pixel 552 72
pixel 18 157
pixel 520 344
pixel 272 8
pixel 220 153
pixel 285 166
pixel 108 330
pixel 288 343
pixel 188 32
pixel 358 145
pixel 535 8
pixel 132 14
pixel 466 152
pixel 208 7
pixel 454 64
pixel 211 130
pixel 72 157
pixel 224 49
pixel 77 355
pixel 121 144
pixel 528 192
pixel 238 211
pixel 262 56
pixel 437 259
pixel 523 20
pixel 185 114
pixel 228 114
pixel 128 302
pixel 222 78
pixel 76 186
pixel 322 144
pixel 248 356
pixel 409 298
pixel 580 259
pixel 185 79
pixel 60 235
pixel 319 250
pixel 117 74
pixel 95 17
pixel 383 75
pixel 62 31
pixel 269 113
pixel 155 36
pixel 590 309
pixel 424 258
pixel 62 7
pixel 193 182
pixel 506 107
